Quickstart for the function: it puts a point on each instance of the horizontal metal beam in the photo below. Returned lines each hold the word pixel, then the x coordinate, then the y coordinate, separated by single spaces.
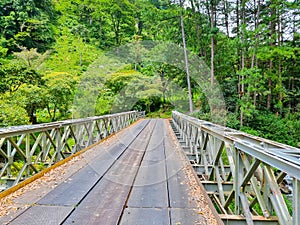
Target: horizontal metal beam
pixel 235 174
pixel 284 157
pixel 291 169
pixel 42 145
pixel 200 169
pixel 212 187
pixel 240 220
pixel 17 130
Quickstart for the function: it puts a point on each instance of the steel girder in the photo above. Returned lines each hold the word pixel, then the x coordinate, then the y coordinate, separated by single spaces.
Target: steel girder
pixel 242 173
pixel 26 150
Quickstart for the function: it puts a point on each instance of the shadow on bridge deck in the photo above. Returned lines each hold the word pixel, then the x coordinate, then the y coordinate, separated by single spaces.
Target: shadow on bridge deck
pixel 139 176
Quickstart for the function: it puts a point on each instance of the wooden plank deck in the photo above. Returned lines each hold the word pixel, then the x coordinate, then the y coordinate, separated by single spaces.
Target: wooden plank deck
pixel 138 179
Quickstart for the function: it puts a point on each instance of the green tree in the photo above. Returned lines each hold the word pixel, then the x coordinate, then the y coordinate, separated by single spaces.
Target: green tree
pixel 3 50
pixel 13 75
pixel 32 58
pixel 58 94
pixel 27 23
pixel 122 18
pixel 9 117
pixel 32 97
pixel 70 54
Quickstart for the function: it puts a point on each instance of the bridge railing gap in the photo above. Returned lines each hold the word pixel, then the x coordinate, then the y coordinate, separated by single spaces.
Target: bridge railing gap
pixel 243 174
pixel 27 150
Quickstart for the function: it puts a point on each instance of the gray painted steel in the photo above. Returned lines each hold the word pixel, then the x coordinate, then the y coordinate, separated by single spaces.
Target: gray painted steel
pixel 112 190
pixel 70 192
pixel 40 146
pixel 177 182
pixel 187 216
pixel 165 198
pixel 43 214
pixel 238 170
pixel 150 186
pixel 139 179
pixel 144 216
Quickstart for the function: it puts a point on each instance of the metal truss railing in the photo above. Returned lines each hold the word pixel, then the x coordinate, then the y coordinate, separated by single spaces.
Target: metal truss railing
pixel 243 174
pixel 26 150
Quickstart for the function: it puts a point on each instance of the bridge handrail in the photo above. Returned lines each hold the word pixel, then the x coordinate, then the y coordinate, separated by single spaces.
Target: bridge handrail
pixel 251 161
pixel 26 150
pixel 261 148
pixel 15 130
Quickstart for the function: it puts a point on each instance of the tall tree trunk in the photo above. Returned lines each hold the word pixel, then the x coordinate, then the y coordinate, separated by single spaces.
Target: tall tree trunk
pixel 212 26
pixel 242 60
pixel 237 16
pixel 49 111
pixel 238 49
pixel 257 21
pixel 197 27
pixel 279 36
pixel 270 88
pixel 254 58
pixel 186 64
pixel 272 32
pixel 226 16
pixel 208 9
pixel 100 27
pixel 54 113
pixel 80 58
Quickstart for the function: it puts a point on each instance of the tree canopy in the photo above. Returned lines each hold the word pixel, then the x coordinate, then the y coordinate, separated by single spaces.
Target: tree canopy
pixel 251 48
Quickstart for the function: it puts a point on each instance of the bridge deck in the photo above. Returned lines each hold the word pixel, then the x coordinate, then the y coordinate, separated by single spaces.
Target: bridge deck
pixel 138 177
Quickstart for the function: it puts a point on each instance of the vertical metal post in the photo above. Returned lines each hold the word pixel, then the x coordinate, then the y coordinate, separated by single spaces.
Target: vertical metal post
pixel 44 147
pixel 237 182
pixel 276 198
pixel 296 201
pixel 266 192
pixel 28 158
pixel 58 145
pixel 91 127
pixel 190 137
pixel 10 158
pixel 196 144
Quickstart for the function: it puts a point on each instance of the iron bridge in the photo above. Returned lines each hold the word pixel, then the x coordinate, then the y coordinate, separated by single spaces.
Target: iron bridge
pixel 242 174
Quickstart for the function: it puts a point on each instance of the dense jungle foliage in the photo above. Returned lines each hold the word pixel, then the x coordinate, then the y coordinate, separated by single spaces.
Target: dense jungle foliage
pixel 252 48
